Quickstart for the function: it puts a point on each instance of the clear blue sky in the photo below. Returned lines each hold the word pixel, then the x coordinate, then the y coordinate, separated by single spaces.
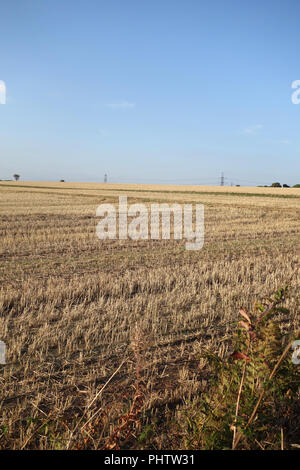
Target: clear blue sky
pixel 150 91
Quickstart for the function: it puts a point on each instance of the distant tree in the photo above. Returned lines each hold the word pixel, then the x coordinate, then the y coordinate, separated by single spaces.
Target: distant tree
pixel 16 177
pixel 296 186
pixel 276 185
pixel 285 186
pixel 62 181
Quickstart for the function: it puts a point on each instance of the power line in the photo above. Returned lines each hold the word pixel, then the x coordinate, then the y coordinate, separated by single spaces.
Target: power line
pixel 223 180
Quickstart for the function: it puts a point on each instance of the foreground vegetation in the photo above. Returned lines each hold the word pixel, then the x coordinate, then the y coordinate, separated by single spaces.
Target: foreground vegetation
pixel 105 340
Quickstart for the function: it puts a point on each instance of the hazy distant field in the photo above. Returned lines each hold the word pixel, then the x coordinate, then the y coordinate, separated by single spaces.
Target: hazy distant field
pixel 72 307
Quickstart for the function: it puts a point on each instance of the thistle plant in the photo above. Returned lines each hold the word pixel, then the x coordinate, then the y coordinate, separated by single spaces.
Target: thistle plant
pixel 253 401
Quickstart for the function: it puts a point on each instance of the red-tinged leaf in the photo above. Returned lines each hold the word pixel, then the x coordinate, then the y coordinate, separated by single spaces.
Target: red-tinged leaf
pixel 252 335
pixel 245 315
pixel 239 355
pixel 245 325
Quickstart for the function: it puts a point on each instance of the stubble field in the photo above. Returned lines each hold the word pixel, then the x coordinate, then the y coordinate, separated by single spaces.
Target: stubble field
pixel 84 319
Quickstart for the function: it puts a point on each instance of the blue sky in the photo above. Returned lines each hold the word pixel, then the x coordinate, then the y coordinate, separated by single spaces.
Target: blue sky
pixel 150 91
